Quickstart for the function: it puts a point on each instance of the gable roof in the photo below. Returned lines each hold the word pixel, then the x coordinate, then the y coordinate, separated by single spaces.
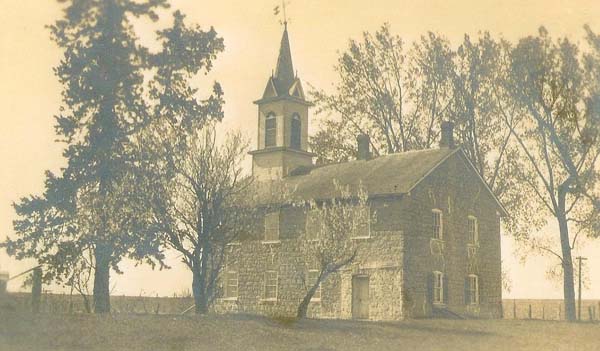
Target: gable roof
pixel 392 174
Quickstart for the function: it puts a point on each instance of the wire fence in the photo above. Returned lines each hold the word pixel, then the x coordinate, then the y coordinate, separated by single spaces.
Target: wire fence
pixel 521 309
pixel 548 309
pixel 66 303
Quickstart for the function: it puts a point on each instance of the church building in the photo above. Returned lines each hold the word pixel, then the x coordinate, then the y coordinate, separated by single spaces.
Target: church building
pixel 432 251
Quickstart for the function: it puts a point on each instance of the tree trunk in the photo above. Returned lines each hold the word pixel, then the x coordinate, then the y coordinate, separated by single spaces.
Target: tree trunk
pixel 200 300
pixel 567 260
pixel 101 280
pixel 303 307
pixel 568 278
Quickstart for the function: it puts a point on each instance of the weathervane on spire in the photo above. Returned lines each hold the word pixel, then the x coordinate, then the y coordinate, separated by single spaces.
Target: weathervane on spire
pixel 282 10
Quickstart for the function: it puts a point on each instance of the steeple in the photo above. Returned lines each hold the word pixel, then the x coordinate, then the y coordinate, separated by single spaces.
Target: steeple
pixel 284 72
pixel 282 121
pixel 284 83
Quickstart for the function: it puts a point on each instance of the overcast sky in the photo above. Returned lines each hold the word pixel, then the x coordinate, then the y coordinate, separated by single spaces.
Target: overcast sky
pixel 319 30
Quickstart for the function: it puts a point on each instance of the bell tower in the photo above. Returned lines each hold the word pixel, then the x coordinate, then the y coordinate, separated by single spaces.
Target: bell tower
pixel 282 122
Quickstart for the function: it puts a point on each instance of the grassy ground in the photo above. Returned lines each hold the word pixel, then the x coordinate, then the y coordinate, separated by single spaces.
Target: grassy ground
pixel 20 331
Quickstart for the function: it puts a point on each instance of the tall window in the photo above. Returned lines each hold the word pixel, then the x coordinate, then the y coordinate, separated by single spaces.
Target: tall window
pixel 270 130
pixel 472 289
pixel 438 224
pixel 271 280
pixel 438 287
pixel 272 226
pixel 361 222
pixel 313 225
pixel 231 287
pixel 473 230
pixel 296 140
pixel 313 275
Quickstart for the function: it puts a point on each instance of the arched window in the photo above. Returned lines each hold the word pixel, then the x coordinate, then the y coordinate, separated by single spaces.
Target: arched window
pixel 296 140
pixel 270 130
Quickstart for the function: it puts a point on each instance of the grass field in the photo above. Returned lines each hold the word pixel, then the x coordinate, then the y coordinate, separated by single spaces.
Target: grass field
pixel 19 331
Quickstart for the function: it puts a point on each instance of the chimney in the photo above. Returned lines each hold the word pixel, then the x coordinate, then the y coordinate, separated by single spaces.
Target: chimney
pixel 364 147
pixel 447 139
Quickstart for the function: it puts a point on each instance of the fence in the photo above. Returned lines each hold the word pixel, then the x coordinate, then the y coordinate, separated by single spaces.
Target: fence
pixel 548 309
pixel 66 303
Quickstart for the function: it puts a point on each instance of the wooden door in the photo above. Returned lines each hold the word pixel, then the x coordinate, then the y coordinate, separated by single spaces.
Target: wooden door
pixel 360 297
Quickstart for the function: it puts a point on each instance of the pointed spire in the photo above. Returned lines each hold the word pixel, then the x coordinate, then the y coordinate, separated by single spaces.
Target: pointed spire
pixel 284 73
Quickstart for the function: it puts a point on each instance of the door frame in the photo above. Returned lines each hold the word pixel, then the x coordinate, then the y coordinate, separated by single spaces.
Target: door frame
pixel 355 311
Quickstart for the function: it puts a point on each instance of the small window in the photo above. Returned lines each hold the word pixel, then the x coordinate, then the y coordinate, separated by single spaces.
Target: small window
pixel 473 289
pixel 361 223
pixel 473 228
pixel 272 226
pixel 438 224
pixel 313 225
pixel 438 287
pixel 313 275
pixel 270 130
pixel 271 280
pixel 296 136
pixel 231 287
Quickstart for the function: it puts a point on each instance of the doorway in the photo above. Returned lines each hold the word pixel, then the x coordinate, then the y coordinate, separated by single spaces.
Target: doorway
pixel 360 297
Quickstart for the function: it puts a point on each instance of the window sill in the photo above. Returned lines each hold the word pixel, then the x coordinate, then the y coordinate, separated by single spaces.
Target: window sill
pixel 271 242
pixel 235 243
pixel 229 299
pixel 360 238
pixel 440 304
pixel 267 301
pixel 476 245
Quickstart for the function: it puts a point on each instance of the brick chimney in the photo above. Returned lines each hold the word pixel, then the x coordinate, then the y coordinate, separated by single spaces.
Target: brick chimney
pixel 447 138
pixel 364 146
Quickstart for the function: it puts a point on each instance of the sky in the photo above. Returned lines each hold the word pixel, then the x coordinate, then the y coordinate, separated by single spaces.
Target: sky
pixel 319 30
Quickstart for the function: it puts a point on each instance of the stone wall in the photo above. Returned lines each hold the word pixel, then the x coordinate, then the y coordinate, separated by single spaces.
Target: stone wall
pixel 379 257
pixel 458 193
pixel 398 257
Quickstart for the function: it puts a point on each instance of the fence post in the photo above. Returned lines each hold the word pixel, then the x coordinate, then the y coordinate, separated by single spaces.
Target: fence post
pixel 514 309
pixel 529 311
pixel 560 311
pixel 36 290
pixel 543 312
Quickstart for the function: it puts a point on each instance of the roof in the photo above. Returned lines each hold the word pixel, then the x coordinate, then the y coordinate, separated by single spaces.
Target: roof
pixel 392 174
pixel 284 82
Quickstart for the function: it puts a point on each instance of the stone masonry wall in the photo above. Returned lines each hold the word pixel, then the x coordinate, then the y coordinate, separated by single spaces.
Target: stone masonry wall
pixel 398 257
pixel 379 257
pixel 458 194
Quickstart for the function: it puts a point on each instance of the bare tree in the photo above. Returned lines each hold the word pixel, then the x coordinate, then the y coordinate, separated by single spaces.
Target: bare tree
pixel 199 210
pixel 81 274
pixel 329 247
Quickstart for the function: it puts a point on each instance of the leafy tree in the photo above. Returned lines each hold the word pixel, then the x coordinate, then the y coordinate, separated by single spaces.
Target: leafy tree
pixel 96 203
pixel 556 128
pixel 399 98
pixel 187 181
pixel 334 222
